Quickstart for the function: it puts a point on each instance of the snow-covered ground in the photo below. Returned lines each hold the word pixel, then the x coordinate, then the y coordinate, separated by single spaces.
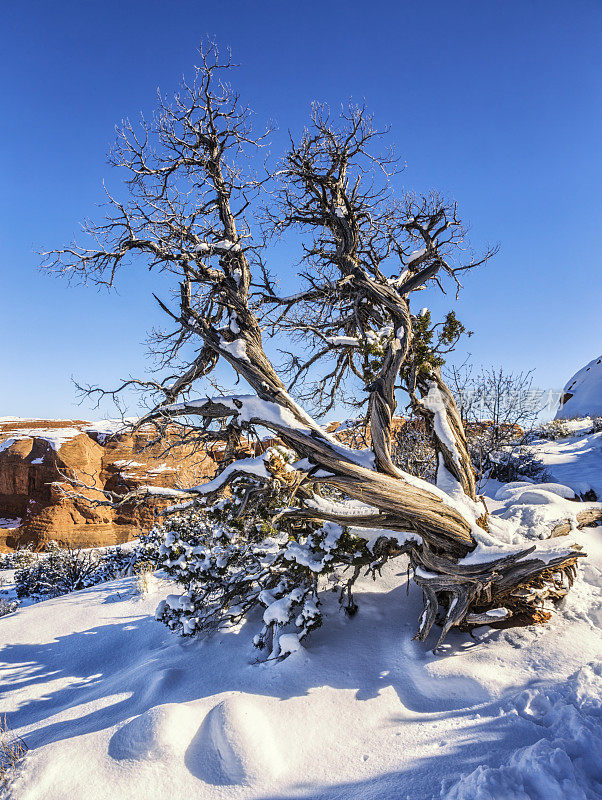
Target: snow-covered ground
pixel 112 705
pixel 575 460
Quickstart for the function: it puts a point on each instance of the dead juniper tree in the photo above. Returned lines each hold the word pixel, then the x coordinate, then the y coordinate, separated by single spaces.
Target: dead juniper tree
pixel 312 506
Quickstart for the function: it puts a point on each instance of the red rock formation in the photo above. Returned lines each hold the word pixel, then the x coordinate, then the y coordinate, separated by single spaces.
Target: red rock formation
pixel 34 453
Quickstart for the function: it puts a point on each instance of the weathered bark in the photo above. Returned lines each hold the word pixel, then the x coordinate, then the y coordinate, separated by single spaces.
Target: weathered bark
pixel 453 455
pixel 590 516
pixel 464 596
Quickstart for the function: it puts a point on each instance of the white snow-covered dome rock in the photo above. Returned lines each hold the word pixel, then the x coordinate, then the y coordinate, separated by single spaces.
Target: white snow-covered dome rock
pixel 582 395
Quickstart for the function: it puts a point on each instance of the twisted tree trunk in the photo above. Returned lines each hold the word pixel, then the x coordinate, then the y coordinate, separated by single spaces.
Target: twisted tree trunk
pixel 356 230
pixel 442 417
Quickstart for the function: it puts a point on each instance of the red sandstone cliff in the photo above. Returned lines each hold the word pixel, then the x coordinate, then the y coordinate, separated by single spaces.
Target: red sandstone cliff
pixel 34 453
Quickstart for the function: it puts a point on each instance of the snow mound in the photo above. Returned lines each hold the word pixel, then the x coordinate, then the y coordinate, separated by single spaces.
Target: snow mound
pixel 526 510
pixel 159 734
pixel 235 745
pixel 541 492
pixel 582 395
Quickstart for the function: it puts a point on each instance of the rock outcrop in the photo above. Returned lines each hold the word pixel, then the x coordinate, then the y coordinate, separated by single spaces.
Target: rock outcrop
pixel 582 395
pixel 35 455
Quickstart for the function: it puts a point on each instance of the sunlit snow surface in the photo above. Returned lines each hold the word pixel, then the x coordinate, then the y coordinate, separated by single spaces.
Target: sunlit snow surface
pixel 583 392
pixel 114 706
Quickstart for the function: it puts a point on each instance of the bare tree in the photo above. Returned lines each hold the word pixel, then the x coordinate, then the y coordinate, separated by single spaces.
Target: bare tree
pixel 192 213
pixel 498 408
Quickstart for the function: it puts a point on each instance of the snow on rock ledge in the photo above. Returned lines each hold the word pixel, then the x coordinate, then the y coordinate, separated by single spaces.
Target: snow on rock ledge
pixel 582 395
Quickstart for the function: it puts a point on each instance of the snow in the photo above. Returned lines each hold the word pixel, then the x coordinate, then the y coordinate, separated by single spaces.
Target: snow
pixel 516 489
pixel 435 403
pixel 415 255
pixel 112 705
pixel 55 437
pixel 585 390
pixel 104 428
pixel 289 643
pixel 250 466
pixel 277 611
pixel 10 523
pixel 566 762
pixel 371 535
pixel 224 245
pixel 575 462
pixel 343 341
pixel 350 507
pixel 237 348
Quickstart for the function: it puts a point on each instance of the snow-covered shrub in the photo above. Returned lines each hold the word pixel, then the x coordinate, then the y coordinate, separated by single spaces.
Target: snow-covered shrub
pixel 555 429
pixel 596 425
pixel 117 562
pixel 17 560
pixel 55 573
pixel 8 606
pixel 513 460
pixel 515 464
pixel 150 543
pixel 60 571
pixel 230 559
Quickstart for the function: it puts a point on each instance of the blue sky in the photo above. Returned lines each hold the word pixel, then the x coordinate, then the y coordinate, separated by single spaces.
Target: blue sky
pixel 497 104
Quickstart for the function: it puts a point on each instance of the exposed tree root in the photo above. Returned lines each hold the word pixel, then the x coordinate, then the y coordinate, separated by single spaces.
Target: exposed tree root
pixel 515 590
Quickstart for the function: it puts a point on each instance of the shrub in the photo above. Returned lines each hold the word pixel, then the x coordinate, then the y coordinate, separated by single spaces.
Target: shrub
pixel 8 606
pixel 413 451
pixel 61 571
pixel 12 750
pixel 555 429
pixel 231 559
pixel 17 560
pixel 516 464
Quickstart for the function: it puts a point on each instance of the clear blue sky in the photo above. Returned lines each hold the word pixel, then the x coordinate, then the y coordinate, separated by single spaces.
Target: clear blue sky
pixel 496 103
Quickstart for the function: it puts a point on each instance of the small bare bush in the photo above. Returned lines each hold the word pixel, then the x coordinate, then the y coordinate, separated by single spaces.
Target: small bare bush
pixel 12 750
pixel 143 571
pixel 413 450
pixel 555 429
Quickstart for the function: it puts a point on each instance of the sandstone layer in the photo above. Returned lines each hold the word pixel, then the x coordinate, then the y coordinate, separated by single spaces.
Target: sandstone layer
pixel 35 457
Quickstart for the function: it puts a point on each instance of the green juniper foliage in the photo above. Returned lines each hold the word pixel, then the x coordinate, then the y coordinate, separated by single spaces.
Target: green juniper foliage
pixel 431 343
pixel 234 556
